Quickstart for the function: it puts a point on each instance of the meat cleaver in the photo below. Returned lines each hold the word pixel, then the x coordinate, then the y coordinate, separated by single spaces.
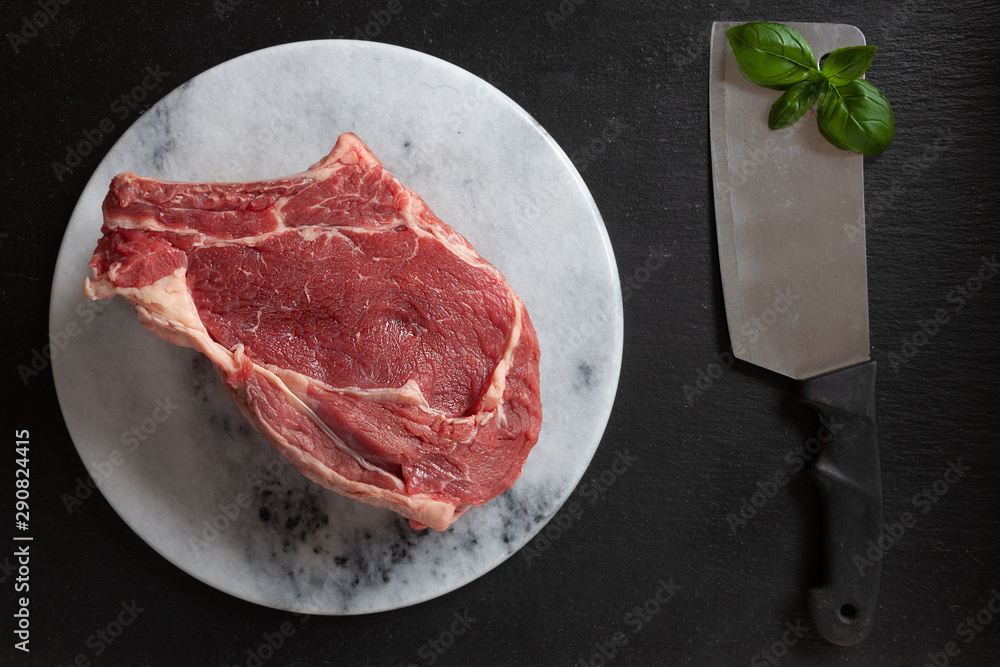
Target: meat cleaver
pixel 789 211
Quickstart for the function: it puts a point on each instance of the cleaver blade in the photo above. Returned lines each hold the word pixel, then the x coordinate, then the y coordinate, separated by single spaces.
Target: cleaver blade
pixel 789 210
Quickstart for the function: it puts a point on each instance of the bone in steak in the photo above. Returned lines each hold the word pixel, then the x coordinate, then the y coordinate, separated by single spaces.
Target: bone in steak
pixel 361 335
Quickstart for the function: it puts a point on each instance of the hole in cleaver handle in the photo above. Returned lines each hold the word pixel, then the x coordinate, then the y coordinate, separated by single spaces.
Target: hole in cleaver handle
pixel 849 477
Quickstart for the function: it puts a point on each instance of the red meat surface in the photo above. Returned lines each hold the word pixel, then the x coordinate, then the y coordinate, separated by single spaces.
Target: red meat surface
pixel 360 334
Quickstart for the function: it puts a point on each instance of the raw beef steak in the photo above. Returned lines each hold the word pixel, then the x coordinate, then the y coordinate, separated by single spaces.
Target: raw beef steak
pixel 361 335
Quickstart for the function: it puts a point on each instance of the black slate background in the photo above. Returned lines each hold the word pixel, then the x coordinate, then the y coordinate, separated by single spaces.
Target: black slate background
pixel 635 72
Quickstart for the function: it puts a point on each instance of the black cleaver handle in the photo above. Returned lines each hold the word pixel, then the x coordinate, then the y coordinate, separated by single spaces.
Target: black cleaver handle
pixel 849 476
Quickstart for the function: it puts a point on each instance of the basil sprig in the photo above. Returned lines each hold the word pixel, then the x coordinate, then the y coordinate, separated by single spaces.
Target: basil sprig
pixel 853 114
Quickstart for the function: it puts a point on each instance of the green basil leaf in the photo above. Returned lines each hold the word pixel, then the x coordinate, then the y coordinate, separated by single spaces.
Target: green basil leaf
pixel 848 64
pixel 856 117
pixel 771 54
pixel 796 101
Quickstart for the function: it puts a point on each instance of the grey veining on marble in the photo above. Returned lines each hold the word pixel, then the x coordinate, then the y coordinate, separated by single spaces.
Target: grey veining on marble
pixel 161 436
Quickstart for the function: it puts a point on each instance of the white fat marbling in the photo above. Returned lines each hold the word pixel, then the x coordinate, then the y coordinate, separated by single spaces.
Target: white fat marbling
pixel 167 445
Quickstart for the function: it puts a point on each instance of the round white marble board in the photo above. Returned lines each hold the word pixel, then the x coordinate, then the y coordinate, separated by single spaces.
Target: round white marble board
pixel 166 444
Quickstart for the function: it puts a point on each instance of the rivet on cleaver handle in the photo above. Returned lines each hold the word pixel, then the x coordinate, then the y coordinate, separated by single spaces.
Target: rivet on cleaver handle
pixel 849 477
